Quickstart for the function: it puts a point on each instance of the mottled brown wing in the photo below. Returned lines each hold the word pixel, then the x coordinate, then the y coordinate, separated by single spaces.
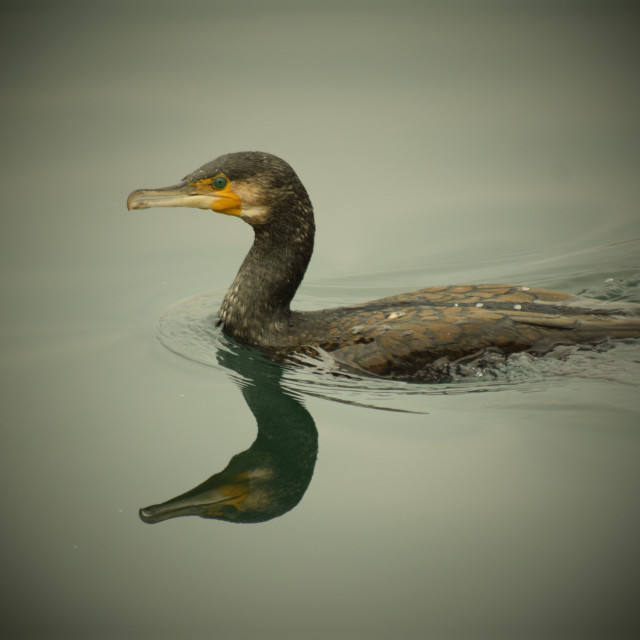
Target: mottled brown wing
pixel 405 334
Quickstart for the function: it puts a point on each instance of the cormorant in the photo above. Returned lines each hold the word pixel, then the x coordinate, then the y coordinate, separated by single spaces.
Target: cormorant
pixel 408 336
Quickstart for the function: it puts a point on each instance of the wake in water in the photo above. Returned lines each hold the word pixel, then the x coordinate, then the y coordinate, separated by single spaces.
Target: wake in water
pixel 188 330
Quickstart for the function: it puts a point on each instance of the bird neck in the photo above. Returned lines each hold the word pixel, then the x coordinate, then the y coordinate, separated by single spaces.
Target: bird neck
pixel 257 305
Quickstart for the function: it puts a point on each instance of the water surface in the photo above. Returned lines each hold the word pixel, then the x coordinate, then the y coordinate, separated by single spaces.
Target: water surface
pixel 440 146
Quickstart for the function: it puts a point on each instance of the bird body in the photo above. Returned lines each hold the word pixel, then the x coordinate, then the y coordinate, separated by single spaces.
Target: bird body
pixel 413 335
pixel 405 336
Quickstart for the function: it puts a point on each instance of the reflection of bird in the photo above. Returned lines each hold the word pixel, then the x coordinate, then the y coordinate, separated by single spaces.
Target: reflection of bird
pixel 405 336
pixel 270 477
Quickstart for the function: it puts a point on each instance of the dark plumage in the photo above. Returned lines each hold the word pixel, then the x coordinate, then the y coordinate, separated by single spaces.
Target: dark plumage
pixel 406 336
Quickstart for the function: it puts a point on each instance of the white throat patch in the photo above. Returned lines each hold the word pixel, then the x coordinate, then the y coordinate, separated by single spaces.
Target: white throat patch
pixel 254 211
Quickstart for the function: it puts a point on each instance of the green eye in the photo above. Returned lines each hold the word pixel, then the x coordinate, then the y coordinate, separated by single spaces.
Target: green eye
pixel 229 511
pixel 219 182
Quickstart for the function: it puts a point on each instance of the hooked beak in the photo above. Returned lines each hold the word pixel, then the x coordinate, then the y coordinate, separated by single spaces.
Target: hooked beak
pixel 214 498
pixel 197 195
pixel 178 195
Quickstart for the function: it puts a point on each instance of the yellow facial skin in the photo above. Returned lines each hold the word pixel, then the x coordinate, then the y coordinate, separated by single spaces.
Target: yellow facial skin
pixel 224 200
pixel 230 498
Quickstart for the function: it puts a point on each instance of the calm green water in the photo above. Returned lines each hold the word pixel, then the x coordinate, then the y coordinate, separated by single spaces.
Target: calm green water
pixel 439 146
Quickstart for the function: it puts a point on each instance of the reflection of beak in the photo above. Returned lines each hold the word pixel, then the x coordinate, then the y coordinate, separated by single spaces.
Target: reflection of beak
pixel 183 195
pixel 223 502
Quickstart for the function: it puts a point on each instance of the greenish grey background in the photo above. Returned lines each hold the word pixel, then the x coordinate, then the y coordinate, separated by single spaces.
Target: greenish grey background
pixel 440 143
